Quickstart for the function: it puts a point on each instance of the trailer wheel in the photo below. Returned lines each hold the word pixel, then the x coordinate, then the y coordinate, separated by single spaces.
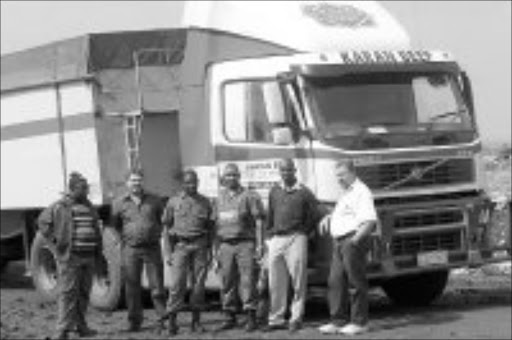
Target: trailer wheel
pixel 106 292
pixel 416 290
pixel 44 271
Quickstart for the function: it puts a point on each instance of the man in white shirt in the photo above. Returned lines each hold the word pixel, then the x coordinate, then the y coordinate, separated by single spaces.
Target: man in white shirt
pixel 350 225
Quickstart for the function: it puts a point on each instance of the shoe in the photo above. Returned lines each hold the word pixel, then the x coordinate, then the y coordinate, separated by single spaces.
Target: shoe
pixel 330 328
pixel 86 332
pixel 195 325
pixel 251 324
pixel 274 327
pixel 172 327
pixel 64 335
pixel 353 329
pixel 294 326
pixel 229 323
pixel 133 327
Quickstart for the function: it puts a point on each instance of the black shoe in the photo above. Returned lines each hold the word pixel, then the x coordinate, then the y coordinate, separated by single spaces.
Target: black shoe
pixel 294 327
pixel 133 327
pixel 172 327
pixel 271 328
pixel 251 324
pixel 195 325
pixel 229 323
pixel 62 335
pixel 86 332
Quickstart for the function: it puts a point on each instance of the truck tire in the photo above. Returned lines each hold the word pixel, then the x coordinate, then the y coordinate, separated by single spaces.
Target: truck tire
pixel 43 265
pixel 417 289
pixel 107 287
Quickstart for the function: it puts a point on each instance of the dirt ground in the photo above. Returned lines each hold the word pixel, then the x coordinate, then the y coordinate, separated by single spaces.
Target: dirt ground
pixel 476 304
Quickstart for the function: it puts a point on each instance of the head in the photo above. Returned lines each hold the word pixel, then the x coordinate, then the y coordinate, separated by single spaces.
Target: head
pixel 135 182
pixel 78 186
pixel 231 176
pixel 190 182
pixel 287 170
pixel 345 172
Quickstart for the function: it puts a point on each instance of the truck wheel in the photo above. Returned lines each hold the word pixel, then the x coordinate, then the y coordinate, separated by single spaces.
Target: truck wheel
pixel 416 290
pixel 106 292
pixel 44 268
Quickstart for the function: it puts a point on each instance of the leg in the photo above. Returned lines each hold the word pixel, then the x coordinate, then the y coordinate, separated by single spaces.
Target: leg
pixel 199 271
pixel 86 276
pixel 338 294
pixel 278 281
pixel 155 276
pixel 133 271
pixel 229 277
pixel 68 295
pixel 296 258
pixel 246 270
pixel 178 280
pixel 354 259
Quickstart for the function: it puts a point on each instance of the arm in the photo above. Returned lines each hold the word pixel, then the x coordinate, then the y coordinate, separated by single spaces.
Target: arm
pixel 258 212
pixel 45 223
pixel 367 215
pixel 270 215
pixel 312 212
pixel 167 223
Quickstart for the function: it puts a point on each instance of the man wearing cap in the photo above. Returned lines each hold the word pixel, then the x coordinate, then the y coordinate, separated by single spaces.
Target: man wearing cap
pixel 188 233
pixel 136 215
pixel 72 224
pixel 239 219
pixel 350 224
pixel 292 216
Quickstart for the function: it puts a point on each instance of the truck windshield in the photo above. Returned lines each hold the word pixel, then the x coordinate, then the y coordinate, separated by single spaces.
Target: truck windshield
pixel 387 104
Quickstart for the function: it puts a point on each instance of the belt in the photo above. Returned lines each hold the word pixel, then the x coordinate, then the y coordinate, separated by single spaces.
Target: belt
pixel 188 239
pixel 343 237
pixel 236 240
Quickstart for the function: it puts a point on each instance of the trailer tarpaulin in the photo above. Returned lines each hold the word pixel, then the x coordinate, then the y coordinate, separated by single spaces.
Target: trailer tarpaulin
pixel 84 56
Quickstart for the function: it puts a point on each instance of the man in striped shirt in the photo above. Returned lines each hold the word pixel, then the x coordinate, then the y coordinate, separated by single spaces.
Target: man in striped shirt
pixel 72 224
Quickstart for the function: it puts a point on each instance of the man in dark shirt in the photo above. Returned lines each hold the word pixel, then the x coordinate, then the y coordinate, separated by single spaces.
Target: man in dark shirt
pixel 292 215
pixel 137 215
pixel 72 224
pixel 239 216
pixel 188 231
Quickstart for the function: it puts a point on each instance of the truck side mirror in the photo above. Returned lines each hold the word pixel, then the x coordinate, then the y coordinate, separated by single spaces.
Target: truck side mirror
pixel 467 92
pixel 282 135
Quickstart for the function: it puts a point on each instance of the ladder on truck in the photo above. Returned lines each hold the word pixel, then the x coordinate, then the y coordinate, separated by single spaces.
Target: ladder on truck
pixel 135 119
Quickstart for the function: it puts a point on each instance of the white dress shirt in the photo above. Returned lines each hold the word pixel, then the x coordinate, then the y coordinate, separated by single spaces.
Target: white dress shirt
pixel 354 207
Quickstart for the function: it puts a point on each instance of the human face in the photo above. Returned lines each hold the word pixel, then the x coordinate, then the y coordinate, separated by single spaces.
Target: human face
pixel 345 176
pixel 287 171
pixel 231 178
pixel 81 190
pixel 135 184
pixel 190 183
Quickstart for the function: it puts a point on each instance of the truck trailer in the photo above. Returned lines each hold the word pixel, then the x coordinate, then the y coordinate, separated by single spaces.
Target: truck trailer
pixel 251 83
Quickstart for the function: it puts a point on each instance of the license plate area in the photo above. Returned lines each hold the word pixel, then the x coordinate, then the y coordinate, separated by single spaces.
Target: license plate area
pixel 432 258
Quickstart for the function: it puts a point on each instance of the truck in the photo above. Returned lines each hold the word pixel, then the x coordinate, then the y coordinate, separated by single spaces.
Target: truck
pixel 251 83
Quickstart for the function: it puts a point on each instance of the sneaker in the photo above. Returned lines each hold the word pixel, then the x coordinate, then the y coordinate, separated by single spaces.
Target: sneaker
pixel 330 328
pixel 87 332
pixel 274 327
pixel 294 327
pixel 353 329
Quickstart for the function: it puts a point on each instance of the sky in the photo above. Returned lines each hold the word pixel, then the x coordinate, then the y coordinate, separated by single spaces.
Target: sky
pixel 478 33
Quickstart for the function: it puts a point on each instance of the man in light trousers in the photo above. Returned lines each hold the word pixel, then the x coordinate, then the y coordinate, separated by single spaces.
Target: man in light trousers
pixel 353 219
pixel 292 216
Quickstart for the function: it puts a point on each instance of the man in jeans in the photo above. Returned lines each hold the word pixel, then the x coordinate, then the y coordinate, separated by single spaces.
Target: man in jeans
pixel 292 216
pixel 350 225
pixel 72 224
pixel 137 215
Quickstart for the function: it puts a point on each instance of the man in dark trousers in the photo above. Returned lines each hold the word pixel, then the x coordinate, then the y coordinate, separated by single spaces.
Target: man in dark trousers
pixel 188 223
pixel 292 217
pixel 137 215
pixel 239 217
pixel 72 224
pixel 350 224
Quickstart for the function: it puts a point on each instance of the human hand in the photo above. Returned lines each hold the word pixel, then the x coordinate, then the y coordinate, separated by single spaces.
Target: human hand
pixel 325 225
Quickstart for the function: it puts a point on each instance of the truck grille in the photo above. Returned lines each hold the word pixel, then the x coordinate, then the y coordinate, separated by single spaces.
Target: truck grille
pixel 452 171
pixel 414 244
pixel 428 219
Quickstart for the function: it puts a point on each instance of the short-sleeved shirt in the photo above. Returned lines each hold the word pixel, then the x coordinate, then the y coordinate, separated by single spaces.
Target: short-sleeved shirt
pixel 188 216
pixel 139 222
pixel 354 207
pixel 236 213
pixel 291 210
